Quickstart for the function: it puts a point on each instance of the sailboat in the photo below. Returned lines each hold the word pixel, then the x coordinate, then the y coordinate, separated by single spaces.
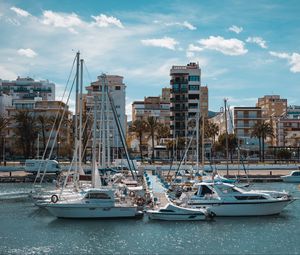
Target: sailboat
pixel 97 201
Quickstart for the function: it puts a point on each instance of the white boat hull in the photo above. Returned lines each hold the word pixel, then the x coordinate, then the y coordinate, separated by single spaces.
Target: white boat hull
pixel 171 217
pixel 291 179
pixel 174 212
pixel 79 211
pixel 244 209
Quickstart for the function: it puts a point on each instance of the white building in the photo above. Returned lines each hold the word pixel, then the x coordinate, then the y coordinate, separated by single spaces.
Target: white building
pixel 116 89
pixel 5 102
pixel 28 88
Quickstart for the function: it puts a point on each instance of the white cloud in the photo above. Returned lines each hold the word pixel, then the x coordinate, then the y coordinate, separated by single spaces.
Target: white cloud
pixel 166 42
pixel 235 29
pixel 184 24
pixel 20 12
pixel 293 59
pixel 232 47
pixel 189 25
pixel 258 40
pixel 279 54
pixel 190 52
pixel 7 73
pixel 104 21
pixel 128 108
pixel 60 19
pixel 27 53
pixel 193 47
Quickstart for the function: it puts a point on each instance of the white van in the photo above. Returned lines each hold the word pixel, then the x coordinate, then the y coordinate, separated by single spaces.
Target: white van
pixel 34 165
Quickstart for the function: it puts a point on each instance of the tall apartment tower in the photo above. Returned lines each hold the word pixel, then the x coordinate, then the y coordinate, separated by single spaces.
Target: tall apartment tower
pixel 116 88
pixel 187 97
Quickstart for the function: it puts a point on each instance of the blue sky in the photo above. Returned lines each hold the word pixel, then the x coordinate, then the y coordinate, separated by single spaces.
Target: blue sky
pixel 246 49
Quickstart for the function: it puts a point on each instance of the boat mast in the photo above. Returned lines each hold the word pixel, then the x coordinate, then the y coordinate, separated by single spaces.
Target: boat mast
pixel 197 136
pixel 76 113
pixel 80 116
pixel 226 136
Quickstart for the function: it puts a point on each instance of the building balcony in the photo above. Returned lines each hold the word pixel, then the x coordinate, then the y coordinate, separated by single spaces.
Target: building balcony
pixel 179 81
pixel 180 100
pixel 178 109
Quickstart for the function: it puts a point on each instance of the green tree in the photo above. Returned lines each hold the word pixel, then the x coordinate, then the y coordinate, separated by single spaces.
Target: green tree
pixel 162 131
pixel 232 144
pixel 3 125
pixel 60 131
pixel 139 128
pixel 26 130
pixel 262 131
pixel 152 125
pixel 44 124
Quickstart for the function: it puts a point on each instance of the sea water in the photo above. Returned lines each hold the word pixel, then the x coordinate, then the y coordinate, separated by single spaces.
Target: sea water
pixel 26 229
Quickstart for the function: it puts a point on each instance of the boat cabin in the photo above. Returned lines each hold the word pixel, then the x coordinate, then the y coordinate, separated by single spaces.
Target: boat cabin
pixel 295 173
pixel 100 196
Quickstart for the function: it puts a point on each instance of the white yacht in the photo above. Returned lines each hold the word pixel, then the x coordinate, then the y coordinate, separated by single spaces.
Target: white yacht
pixel 173 212
pixel 224 199
pixel 94 203
pixel 294 176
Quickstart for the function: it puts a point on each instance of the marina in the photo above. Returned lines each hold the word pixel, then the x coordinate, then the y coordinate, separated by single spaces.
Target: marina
pixel 278 234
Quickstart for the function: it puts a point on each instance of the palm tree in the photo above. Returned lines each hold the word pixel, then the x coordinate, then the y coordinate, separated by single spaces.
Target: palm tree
pixel 262 131
pixel 256 132
pixel 44 124
pixel 152 126
pixel 139 128
pixel 162 131
pixel 60 130
pixel 27 131
pixel 232 143
pixel 3 125
pixel 212 130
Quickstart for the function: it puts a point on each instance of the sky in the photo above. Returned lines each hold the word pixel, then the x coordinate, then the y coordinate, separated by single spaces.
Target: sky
pixel 245 49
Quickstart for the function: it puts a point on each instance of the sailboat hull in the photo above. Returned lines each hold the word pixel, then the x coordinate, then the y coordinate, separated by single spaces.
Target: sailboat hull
pixel 61 211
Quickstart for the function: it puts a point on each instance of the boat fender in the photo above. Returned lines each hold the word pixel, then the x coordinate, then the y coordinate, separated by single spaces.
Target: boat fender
pixel 140 201
pixel 54 198
pixel 131 194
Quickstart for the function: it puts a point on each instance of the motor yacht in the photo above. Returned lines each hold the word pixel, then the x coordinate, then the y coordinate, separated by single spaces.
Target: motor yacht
pixel 95 203
pixel 294 176
pixel 223 199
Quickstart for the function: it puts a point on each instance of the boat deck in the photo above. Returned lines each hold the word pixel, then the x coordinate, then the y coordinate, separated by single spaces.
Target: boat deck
pixel 158 191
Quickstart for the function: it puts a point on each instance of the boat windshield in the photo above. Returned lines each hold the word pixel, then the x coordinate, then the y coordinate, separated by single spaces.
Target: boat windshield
pixel 296 173
pixel 204 190
pixel 229 189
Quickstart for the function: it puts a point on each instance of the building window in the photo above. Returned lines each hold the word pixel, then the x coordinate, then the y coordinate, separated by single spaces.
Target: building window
pixel 193 87
pixel 194 78
pixel 240 114
pixel 118 87
pixel 252 114
pixel 193 96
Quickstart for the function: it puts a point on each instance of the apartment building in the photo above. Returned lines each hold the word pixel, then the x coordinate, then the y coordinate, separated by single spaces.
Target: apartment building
pixel 158 107
pixel 117 91
pixel 244 118
pixel 48 110
pixel 187 98
pixel 288 134
pixel 28 88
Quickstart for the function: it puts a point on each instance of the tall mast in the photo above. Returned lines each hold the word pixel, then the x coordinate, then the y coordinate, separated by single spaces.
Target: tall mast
pixel 80 115
pixel 76 110
pixel 94 143
pixel 226 136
